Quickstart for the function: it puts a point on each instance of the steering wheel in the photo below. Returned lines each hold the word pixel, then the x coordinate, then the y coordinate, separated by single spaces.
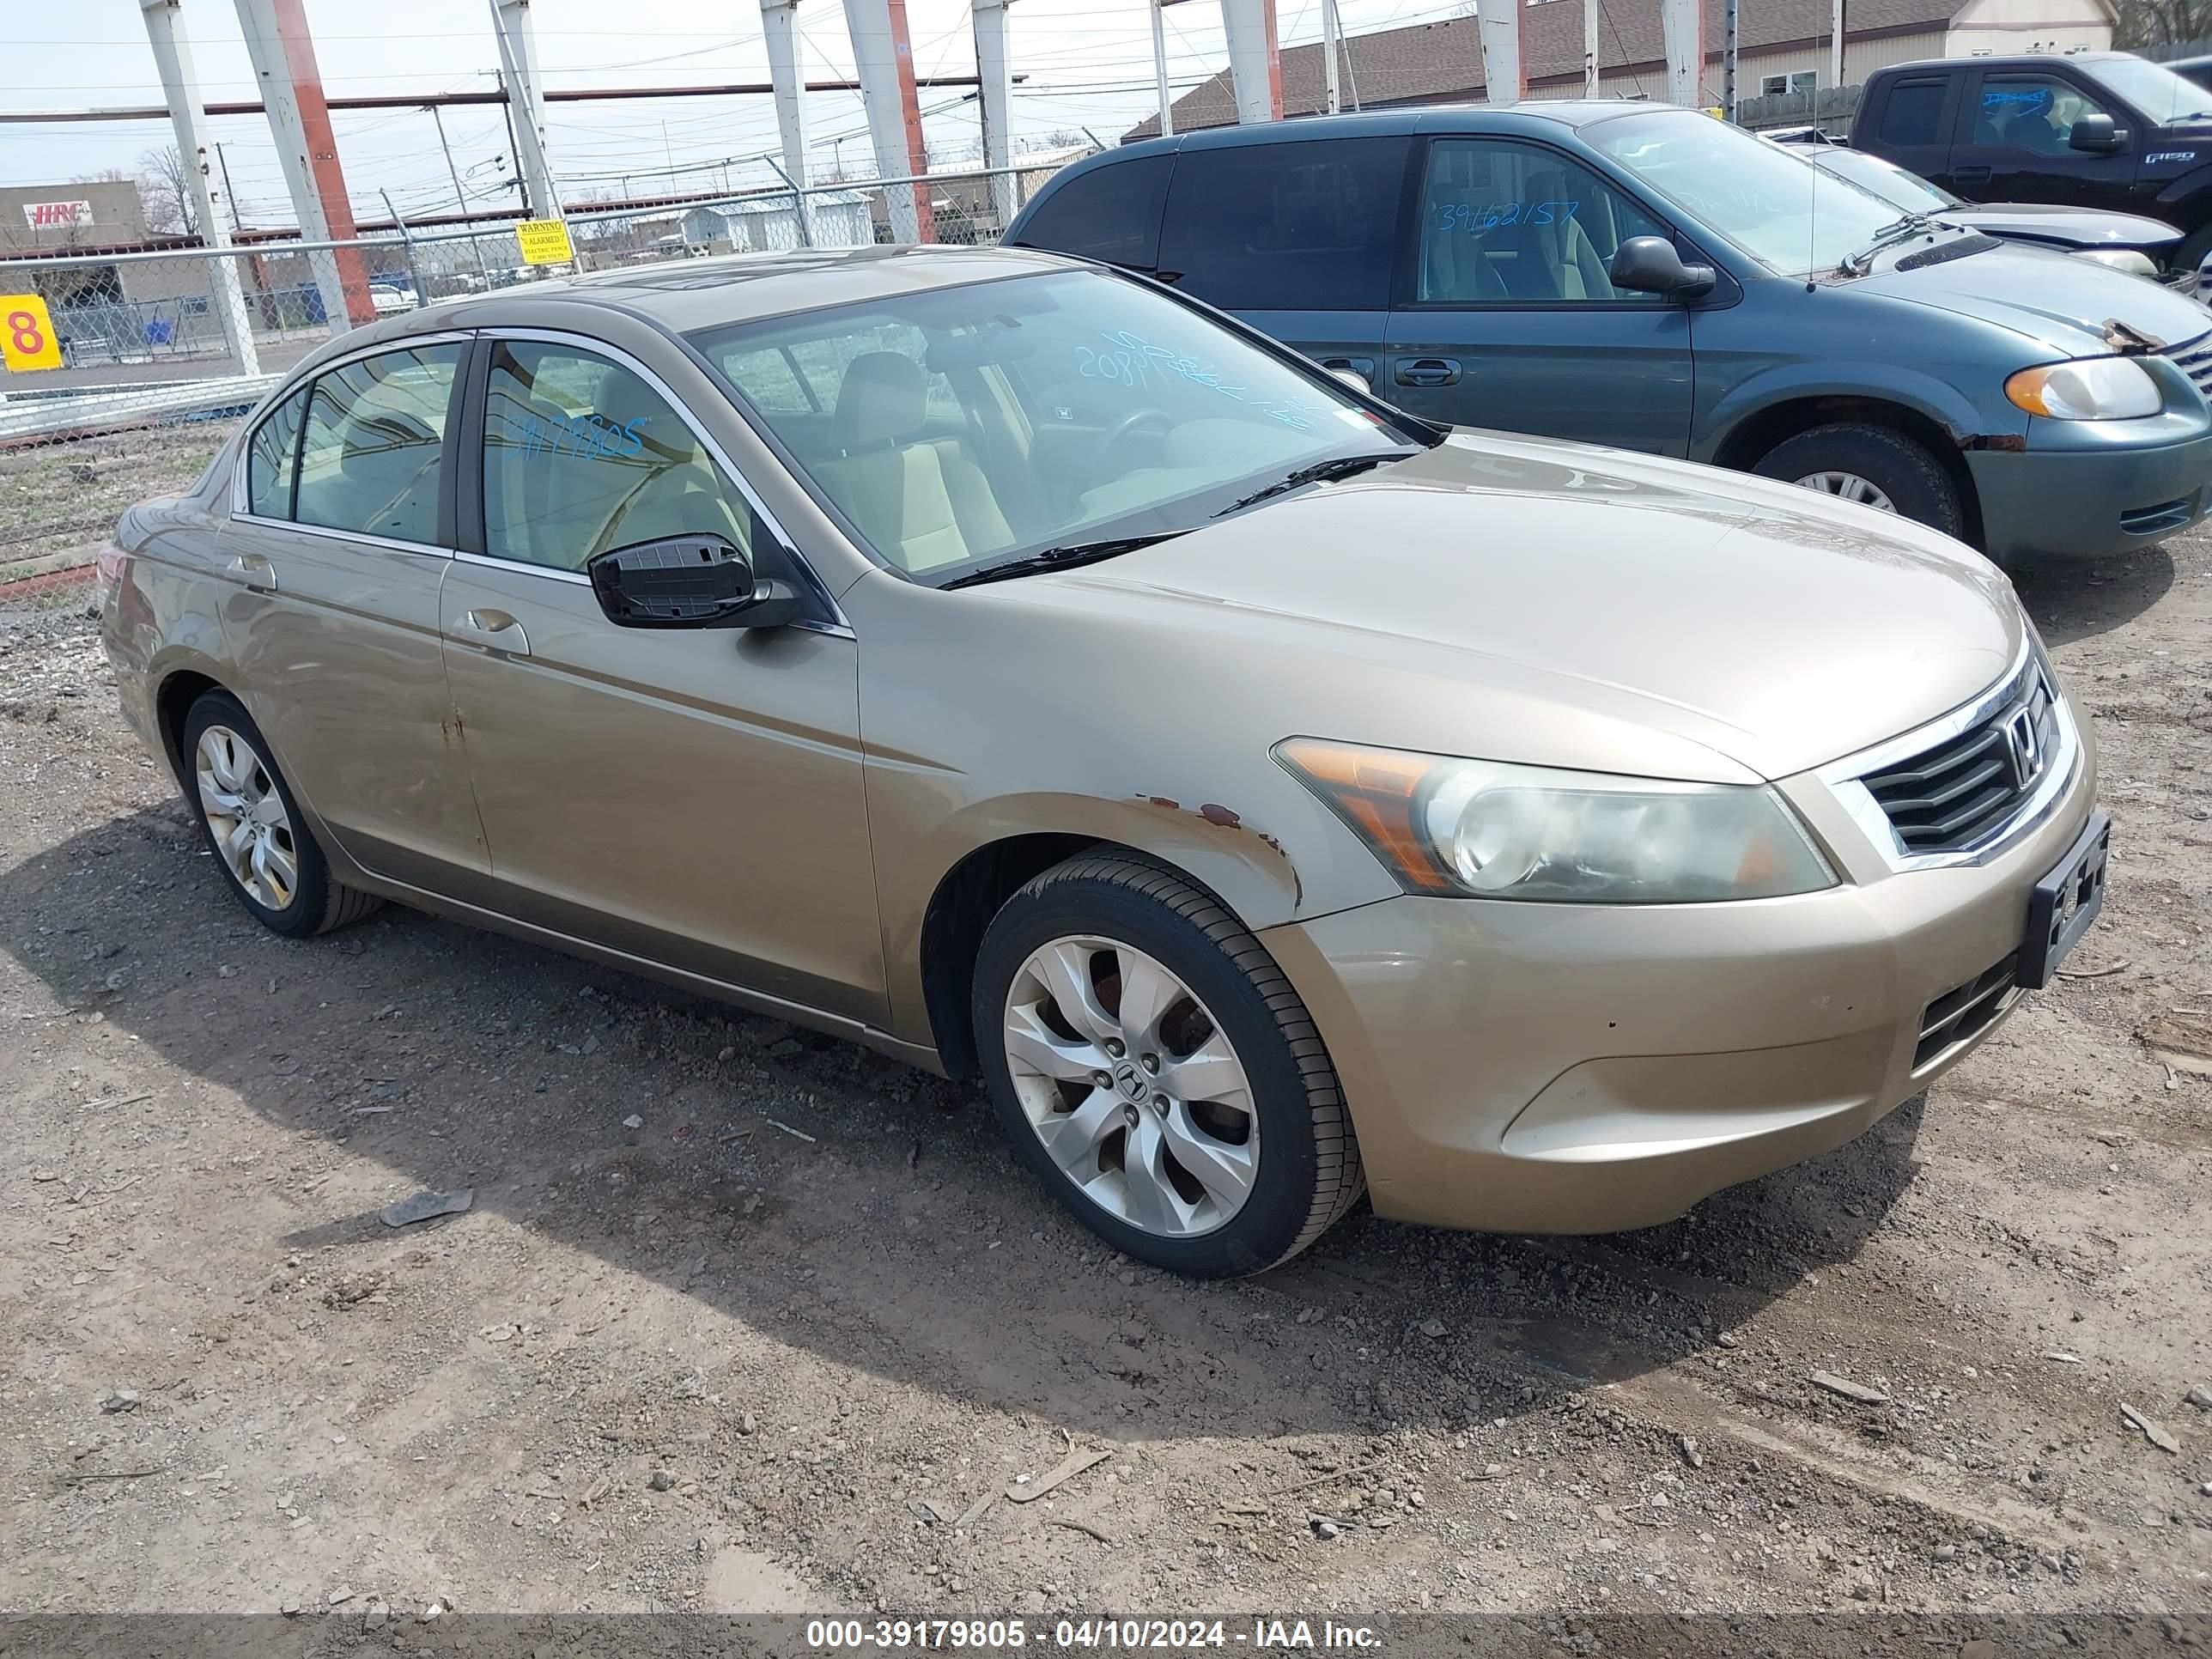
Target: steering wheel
pixel 1123 429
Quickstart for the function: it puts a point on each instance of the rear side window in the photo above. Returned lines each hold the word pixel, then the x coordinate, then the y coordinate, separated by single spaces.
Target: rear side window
pixel 1111 213
pixel 272 458
pixel 1914 113
pixel 1288 227
pixel 376 430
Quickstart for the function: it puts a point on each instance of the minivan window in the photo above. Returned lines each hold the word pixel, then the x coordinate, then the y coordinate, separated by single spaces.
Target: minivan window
pixel 581 455
pixel 1085 408
pixel 2155 89
pixel 1778 209
pixel 1111 213
pixel 273 458
pixel 375 430
pixel 1914 113
pixel 1506 223
pixel 1286 226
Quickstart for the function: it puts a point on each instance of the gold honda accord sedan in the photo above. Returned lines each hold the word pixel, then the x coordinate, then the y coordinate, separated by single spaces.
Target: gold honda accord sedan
pixel 1016 667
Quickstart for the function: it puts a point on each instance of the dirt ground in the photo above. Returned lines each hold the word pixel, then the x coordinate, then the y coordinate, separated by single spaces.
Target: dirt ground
pixel 743 1318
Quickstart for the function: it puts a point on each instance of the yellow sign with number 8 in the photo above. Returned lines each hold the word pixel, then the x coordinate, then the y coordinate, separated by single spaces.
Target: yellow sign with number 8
pixel 27 333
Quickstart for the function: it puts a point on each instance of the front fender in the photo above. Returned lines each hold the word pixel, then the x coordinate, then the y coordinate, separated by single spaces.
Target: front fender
pixel 1925 395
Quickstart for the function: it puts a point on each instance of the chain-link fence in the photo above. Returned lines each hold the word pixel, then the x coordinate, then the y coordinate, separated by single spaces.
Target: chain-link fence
pixel 161 353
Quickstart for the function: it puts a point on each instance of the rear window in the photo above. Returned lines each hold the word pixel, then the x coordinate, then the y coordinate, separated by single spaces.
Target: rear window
pixel 1914 114
pixel 1286 226
pixel 1111 213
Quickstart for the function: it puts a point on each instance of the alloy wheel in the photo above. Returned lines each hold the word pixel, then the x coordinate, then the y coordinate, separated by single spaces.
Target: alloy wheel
pixel 1133 1088
pixel 247 816
pixel 1849 487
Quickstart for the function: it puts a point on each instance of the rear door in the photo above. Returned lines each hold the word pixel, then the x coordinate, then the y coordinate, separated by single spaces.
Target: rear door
pixel 2017 150
pixel 1296 238
pixel 1507 319
pixel 1914 125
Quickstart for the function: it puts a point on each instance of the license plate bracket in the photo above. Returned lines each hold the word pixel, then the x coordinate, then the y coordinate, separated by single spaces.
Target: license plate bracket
pixel 2065 902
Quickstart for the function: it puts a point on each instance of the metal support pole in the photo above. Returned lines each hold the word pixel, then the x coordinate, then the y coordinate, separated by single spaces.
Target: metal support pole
pixel 1505 65
pixel 282 53
pixel 1589 48
pixel 1682 24
pixel 518 62
pixel 407 241
pixel 1160 67
pixel 989 20
pixel 801 208
pixel 786 71
pixel 460 196
pixel 1331 39
pixel 172 55
pixel 1253 67
pixel 1728 32
pixel 885 57
pixel 1835 53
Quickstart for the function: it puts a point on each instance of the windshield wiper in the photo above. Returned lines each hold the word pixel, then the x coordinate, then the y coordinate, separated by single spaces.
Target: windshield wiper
pixel 1856 264
pixel 1062 558
pixel 1344 466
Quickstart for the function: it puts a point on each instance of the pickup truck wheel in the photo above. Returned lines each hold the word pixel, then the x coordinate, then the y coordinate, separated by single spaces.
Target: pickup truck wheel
pixel 2191 254
pixel 1874 465
pixel 1157 1072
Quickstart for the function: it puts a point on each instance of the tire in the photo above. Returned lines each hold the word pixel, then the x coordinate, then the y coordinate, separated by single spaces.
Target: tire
pixel 2191 254
pixel 1279 1152
pixel 1903 469
pixel 287 886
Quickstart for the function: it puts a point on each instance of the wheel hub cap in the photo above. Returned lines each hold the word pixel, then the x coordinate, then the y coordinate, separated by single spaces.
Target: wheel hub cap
pixel 1132 1087
pixel 1849 487
pixel 246 817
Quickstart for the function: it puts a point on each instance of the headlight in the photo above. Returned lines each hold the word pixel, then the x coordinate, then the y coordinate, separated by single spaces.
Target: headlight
pixel 2118 259
pixel 1485 830
pixel 2089 389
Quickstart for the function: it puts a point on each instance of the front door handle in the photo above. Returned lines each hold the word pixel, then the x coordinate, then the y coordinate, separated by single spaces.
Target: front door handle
pixel 255 571
pixel 1428 371
pixel 494 629
pixel 1357 365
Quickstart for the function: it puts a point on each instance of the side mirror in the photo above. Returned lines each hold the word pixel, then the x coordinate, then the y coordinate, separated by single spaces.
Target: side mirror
pixel 1650 264
pixel 2096 135
pixel 704 580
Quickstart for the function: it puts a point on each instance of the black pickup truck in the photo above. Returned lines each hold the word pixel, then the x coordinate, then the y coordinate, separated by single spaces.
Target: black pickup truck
pixel 2094 129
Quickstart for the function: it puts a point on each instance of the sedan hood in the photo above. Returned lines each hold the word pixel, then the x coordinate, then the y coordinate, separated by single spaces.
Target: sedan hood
pixel 1520 599
pixel 2059 302
pixel 2074 226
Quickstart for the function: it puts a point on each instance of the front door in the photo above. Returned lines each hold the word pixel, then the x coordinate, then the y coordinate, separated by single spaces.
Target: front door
pixel 1508 319
pixel 338 554
pixel 2020 148
pixel 690 797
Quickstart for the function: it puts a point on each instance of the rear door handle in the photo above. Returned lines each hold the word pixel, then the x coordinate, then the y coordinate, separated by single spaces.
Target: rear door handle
pixel 1356 364
pixel 494 629
pixel 1429 371
pixel 255 571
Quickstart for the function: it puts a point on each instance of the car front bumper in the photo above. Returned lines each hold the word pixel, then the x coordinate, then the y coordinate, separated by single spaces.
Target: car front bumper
pixel 2090 500
pixel 1574 1069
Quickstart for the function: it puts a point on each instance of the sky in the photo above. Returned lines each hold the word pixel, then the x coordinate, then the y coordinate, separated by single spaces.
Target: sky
pixel 1089 64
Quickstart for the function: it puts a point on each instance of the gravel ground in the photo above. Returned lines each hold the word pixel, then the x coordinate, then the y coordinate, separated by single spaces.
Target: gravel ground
pixel 744 1318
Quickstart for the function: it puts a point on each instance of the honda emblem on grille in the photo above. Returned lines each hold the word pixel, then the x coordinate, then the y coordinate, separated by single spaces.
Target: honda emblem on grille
pixel 2023 747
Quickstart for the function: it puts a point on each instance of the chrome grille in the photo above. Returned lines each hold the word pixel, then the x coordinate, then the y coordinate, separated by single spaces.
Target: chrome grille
pixel 2194 359
pixel 1956 793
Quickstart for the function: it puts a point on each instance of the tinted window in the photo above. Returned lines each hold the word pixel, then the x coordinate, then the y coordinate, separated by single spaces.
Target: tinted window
pixel 1504 223
pixel 1110 213
pixel 581 455
pixel 375 430
pixel 1290 227
pixel 2030 112
pixel 1914 114
pixel 272 458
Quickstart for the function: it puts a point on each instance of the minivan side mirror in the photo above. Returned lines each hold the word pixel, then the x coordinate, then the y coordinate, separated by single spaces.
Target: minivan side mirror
pixel 1650 264
pixel 2096 135
pixel 704 580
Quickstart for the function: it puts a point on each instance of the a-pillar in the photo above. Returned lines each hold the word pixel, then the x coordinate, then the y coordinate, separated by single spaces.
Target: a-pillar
pixel 525 96
pixel 1505 65
pixel 1253 67
pixel 885 59
pixel 211 207
pixel 1682 22
pixel 779 25
pixel 284 58
pixel 996 83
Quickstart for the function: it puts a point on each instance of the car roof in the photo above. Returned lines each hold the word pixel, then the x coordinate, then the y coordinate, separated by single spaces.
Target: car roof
pixel 1568 112
pixel 2017 61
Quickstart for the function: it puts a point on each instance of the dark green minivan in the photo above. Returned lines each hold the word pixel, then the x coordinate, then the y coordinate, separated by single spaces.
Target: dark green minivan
pixel 1648 277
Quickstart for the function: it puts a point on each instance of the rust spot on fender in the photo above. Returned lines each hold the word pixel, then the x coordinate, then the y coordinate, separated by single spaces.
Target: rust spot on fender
pixel 1220 816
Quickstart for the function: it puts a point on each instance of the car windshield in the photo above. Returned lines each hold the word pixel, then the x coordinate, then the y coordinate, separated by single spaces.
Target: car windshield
pixel 1791 216
pixel 1908 193
pixel 2155 89
pixel 958 429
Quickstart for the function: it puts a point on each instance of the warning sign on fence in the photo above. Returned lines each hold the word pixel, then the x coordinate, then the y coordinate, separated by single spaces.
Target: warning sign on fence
pixel 27 333
pixel 545 241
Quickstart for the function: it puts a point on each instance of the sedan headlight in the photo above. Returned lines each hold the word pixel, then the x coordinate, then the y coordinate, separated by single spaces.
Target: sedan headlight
pixel 2087 389
pixel 1487 829
pixel 2119 258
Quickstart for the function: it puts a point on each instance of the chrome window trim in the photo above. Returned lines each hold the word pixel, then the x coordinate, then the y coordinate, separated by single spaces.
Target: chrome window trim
pixel 426 549
pixel 616 354
pixel 1845 777
pixel 580 579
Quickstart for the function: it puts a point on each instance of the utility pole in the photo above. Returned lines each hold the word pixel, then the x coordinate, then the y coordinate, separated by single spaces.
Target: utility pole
pixel 668 153
pixel 1589 48
pixel 1331 101
pixel 1727 59
pixel 460 196
pixel 1835 53
pixel 514 154
pixel 172 55
pixel 1160 67
pixel 518 56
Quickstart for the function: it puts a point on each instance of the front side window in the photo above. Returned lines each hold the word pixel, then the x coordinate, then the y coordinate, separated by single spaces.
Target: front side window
pixel 1111 213
pixel 581 455
pixel 272 458
pixel 1506 223
pixel 1283 226
pixel 2033 113
pixel 967 426
pixel 375 430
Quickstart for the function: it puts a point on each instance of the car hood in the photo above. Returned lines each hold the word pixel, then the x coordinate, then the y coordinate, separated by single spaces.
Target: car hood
pixel 1556 603
pixel 2059 301
pixel 2077 227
